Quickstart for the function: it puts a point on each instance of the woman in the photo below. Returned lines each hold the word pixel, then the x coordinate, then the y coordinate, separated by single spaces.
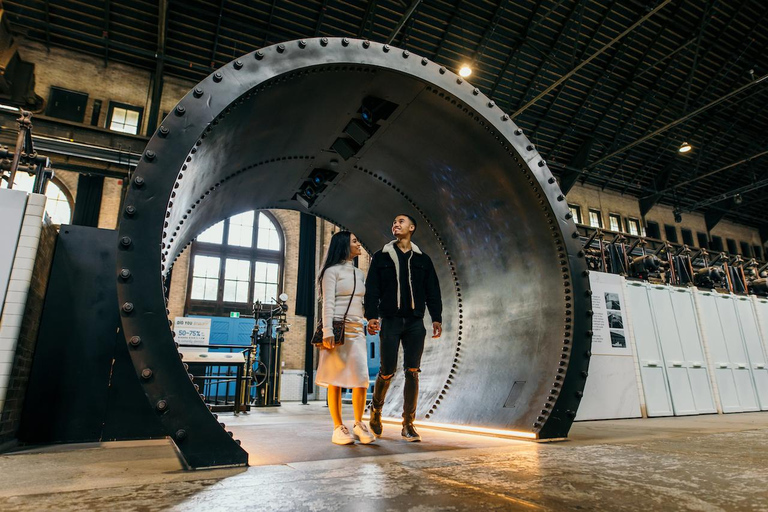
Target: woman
pixel 344 366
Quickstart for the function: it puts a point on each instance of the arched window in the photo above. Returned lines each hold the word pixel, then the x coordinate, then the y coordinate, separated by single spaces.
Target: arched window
pixel 58 205
pixel 234 263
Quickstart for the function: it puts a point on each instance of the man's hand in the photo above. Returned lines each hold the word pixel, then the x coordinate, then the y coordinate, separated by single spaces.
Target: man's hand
pixel 373 326
pixel 329 342
pixel 437 329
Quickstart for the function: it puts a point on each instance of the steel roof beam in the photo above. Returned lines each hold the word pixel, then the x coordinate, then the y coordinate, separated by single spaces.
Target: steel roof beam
pixel 406 16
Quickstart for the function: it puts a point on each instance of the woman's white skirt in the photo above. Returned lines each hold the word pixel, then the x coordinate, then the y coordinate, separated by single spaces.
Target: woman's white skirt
pixel 345 366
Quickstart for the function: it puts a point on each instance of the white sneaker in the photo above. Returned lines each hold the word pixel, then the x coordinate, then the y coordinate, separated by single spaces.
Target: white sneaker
pixel 341 435
pixel 363 434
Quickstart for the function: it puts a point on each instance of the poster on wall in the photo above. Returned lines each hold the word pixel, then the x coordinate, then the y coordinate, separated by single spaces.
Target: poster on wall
pixel 192 331
pixel 609 320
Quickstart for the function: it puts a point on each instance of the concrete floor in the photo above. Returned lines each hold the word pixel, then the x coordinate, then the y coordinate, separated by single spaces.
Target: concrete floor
pixel 703 463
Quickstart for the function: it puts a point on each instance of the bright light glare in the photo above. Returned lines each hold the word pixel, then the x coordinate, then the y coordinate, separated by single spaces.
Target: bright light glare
pixel 467 429
pixel 685 147
pixel 465 71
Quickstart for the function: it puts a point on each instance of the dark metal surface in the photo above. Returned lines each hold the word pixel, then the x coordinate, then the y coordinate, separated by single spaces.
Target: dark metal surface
pixel 490 215
pixel 82 387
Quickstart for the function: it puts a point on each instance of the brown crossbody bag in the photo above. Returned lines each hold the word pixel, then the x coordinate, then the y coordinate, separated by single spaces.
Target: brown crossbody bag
pixel 338 325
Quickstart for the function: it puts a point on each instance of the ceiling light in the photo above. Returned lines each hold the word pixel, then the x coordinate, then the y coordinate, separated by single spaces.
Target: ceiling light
pixel 685 147
pixel 465 71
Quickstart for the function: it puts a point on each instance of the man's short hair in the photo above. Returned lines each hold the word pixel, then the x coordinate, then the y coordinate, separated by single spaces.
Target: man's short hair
pixel 413 221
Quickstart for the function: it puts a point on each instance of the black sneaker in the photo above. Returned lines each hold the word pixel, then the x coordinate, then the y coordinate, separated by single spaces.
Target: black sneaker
pixel 375 422
pixel 409 433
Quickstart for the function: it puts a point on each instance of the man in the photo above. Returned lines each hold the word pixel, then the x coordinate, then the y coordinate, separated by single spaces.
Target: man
pixel 401 284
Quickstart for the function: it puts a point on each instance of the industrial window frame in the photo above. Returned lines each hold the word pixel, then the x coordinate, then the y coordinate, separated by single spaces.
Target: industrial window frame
pixel 746 249
pixel 617 218
pixel 653 228
pixel 670 233
pixel 576 212
pixel 599 217
pixel 631 222
pixel 131 108
pixel 225 251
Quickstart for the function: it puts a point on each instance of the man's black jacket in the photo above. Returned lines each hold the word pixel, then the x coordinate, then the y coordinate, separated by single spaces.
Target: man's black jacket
pixel 382 294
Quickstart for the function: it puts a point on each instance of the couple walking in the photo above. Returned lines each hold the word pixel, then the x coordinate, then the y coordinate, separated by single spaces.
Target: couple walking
pixel 401 284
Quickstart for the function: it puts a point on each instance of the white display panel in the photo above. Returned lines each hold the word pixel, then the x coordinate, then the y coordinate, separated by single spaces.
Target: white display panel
pixel 611 390
pixel 737 360
pixel 654 381
pixel 12 205
pixel 754 346
pixel 761 312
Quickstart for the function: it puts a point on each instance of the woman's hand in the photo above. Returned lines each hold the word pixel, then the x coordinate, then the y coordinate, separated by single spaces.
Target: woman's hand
pixel 329 342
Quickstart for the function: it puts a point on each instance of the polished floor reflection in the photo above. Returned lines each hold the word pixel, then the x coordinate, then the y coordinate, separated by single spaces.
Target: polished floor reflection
pixel 711 462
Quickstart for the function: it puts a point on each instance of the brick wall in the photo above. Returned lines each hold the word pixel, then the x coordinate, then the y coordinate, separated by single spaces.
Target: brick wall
pixel 25 348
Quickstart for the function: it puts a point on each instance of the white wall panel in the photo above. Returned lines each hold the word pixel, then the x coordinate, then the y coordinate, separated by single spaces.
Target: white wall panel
pixel 754 346
pixel 12 205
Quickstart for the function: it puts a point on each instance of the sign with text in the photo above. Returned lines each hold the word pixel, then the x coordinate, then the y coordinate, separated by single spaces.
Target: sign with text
pixel 192 331
pixel 608 321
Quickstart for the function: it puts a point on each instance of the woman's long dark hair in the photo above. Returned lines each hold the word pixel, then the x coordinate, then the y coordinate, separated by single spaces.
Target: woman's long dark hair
pixel 338 252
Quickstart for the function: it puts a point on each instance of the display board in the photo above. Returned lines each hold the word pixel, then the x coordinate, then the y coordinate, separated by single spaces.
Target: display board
pixel 611 390
pixel 754 346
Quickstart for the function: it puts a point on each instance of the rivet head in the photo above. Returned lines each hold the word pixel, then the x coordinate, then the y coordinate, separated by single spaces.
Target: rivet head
pixel 406 53
pixel 180 110
pixel 569 215
pixel 345 42
pixel 586 274
pixel 135 341
pixel 164 131
pixel 130 210
pixel 146 373
pixel 386 48
pixel 518 132
pixel 280 48
pixel 238 64
pixel 324 41
pixel 580 254
pixel 589 311
pixel 561 197
pixel 442 70
pixel 181 434
pixel 197 92
pixel 530 147
pixel 575 234
pixel 424 61
pixel 551 180
pixel 366 44
pixel 491 104
pixel 585 374
pixel 505 117
pixel 217 77
pixel 125 273
pixel 536 425
pixel 475 91
pixel 138 181
pixel 161 406
pixel 260 54
pixel 542 163
pixel 459 80
pixel 150 155
pixel 125 241
pixel 302 44
pixel 571 414
pixel 588 293
pixel 128 307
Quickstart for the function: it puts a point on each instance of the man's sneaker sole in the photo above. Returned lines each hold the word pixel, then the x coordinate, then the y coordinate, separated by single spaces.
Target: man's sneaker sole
pixel 412 439
pixel 343 442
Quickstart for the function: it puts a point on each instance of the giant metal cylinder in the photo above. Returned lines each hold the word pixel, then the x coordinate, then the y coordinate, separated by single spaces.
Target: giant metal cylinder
pixel 515 348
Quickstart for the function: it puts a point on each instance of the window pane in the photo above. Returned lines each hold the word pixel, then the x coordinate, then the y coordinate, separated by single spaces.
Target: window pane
pixel 118 115
pixel 615 222
pixel 57 205
pixel 237 274
pixel 266 272
pixel 132 118
pixel 241 230
pixel 212 235
pixel 594 219
pixel 634 227
pixel 268 236
pixel 204 289
pixel 206 266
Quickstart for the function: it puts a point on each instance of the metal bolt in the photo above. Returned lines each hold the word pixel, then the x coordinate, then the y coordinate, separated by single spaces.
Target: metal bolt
pixel 588 293
pixel 302 44
pixel 491 104
pixel 589 311
pixel 542 163
pixel 584 374
pixel 238 64
pixel 197 92
pixel 280 48
pixel 424 61
pixel 579 394
pixel 128 307
pixel 459 80
pixel 571 414
pixel 568 216
pixel 125 273
pixel 580 254
pixel 125 241
pixel 585 273
pixel 386 48
pixel 575 234
pixel 366 44
pixel 345 42
pixel 164 131
pixel 505 117
pixel 150 155
pixel 146 373
pixel 130 209
pixel 180 110
pixel 442 70
pixel 518 132
pixel 588 332
pixel 138 181
pixel 181 434
pixel 260 54
pixel 217 77
pixel 161 406
pixel 324 41
pixel 135 341
pixel 536 425
pixel 551 180
pixel 530 147
pixel 561 197
pixel 406 53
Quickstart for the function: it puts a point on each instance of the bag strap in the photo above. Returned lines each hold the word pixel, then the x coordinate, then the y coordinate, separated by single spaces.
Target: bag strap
pixel 354 287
